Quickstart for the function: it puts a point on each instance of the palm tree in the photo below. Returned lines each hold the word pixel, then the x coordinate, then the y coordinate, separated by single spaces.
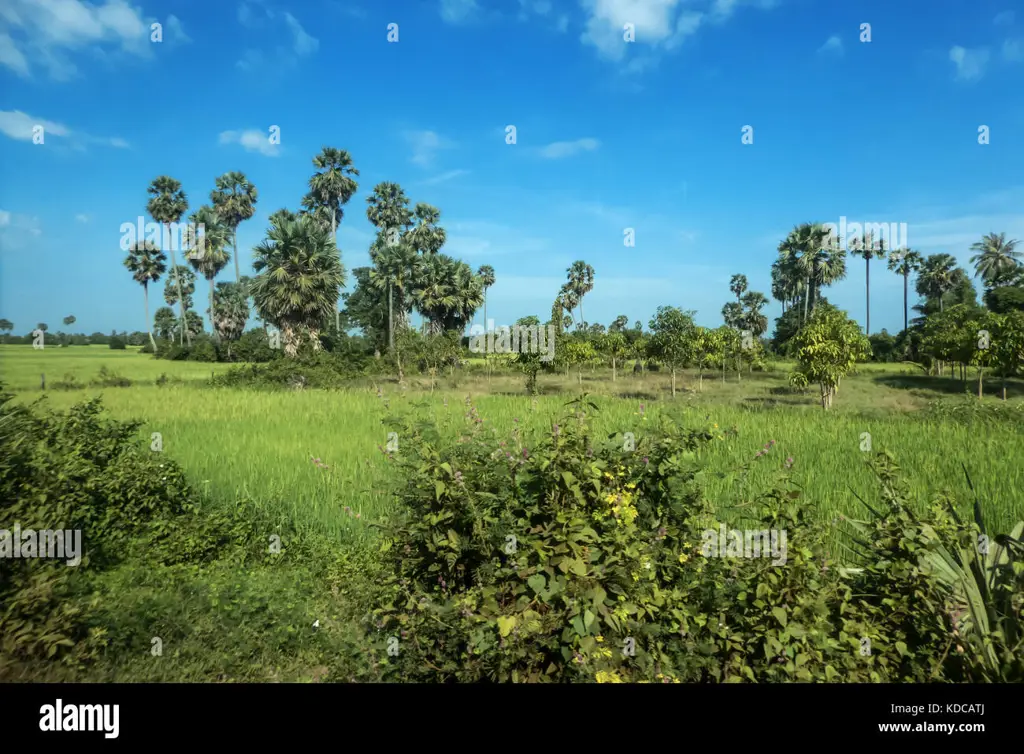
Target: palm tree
pixel 332 186
pixel 448 294
pixel 167 205
pixel 208 235
pixel 581 282
pixel 70 320
pixel 752 319
pixel 738 284
pixel 146 263
pixel 395 271
pixel 230 311
pixel 299 275
pixel 234 200
pixel 486 275
pixel 570 300
pixel 870 249
pixel 903 262
pixel 388 210
pixel 997 259
pixel 800 252
pixel 426 236
pixel 935 279
pixel 180 279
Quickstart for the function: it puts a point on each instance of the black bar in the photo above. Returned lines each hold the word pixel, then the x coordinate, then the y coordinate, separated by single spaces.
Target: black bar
pixel 339 715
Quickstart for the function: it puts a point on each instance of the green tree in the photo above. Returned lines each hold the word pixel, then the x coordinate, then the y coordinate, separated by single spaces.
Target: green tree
pixel 165 323
pixel 997 259
pixel 738 285
pixel 298 281
pixel 615 346
pixel 204 248
pixel 581 282
pixel 705 346
pixel 935 278
pixel 1008 346
pixel 234 200
pixel 672 338
pixel 827 348
pixel 577 352
pixel 867 247
pixel 447 293
pixel 903 262
pixel 167 204
pixel 230 311
pixel 810 252
pixel 146 263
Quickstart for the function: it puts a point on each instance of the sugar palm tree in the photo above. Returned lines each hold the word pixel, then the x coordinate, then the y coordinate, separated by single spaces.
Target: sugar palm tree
pixel 903 262
pixel 331 187
pixel 581 282
pixel 183 279
pixel 426 236
pixel 935 278
pixel 868 248
pixel 486 275
pixel 570 300
pixel 146 263
pixel 208 235
pixel 738 285
pixel 167 204
pixel 801 252
pixel 448 294
pixel 752 318
pixel 234 199
pixel 395 272
pixel 299 275
pixel 230 311
pixel 997 259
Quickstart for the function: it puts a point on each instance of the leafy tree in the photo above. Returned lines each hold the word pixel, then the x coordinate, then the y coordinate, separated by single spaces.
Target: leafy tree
pixel 615 347
pixel 868 248
pixel 903 262
pixel 738 285
pixel 180 279
pixel 447 293
pixel 1005 298
pixel 165 323
pixel 827 348
pixel 6 325
pixel 581 282
pixel 997 259
pixel 234 200
pixel 705 346
pixel 752 319
pixel 167 204
pixel 486 275
pixel 146 263
pixel 230 311
pixel 204 247
pixel 620 324
pixel 299 276
pixel 367 309
pixel 807 250
pixel 672 338
pixel 1008 345
pixel 577 352
pixel 935 278
pixel 732 313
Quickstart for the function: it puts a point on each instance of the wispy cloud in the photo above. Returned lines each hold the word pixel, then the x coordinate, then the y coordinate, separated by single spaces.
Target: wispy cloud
pixel 252 140
pixel 1004 19
pixel 1013 50
pixel 82 218
pixel 970 63
pixel 833 46
pixel 21 126
pixel 17 231
pixel 45 35
pixel 297 42
pixel 481 238
pixel 425 146
pixel 444 177
pixel 561 149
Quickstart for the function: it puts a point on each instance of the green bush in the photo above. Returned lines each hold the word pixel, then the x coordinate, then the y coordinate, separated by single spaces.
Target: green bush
pixel 117 343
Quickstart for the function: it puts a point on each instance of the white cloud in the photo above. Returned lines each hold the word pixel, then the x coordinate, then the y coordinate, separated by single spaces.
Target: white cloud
pixel 45 33
pixel 444 177
pixel 560 149
pixel 970 63
pixel 5 218
pixel 458 11
pixel 833 45
pixel 82 218
pixel 175 31
pixel 252 140
pixel 17 231
pixel 1003 19
pixel 302 43
pixel 425 145
pixel 19 126
pixel 257 14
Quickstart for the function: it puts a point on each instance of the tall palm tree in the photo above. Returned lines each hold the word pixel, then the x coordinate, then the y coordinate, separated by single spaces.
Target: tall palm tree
pixel 804 251
pixel 581 282
pixel 299 276
pixel 997 259
pixel 180 279
pixel 426 236
pixel 738 285
pixel 570 300
pixel 146 263
pixel 903 262
pixel 486 275
pixel 396 270
pixel 331 187
pixel 449 293
pixel 752 318
pixel 388 210
pixel 234 199
pixel 868 248
pixel 230 311
pixel 208 235
pixel 935 278
pixel 166 205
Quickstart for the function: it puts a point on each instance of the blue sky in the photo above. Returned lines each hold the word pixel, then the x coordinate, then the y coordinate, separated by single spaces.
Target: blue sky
pixel 610 135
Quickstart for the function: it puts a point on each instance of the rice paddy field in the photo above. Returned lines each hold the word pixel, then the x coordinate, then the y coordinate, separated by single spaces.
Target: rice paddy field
pixel 261 446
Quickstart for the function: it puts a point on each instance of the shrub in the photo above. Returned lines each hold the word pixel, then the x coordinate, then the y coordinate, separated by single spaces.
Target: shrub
pixel 116 343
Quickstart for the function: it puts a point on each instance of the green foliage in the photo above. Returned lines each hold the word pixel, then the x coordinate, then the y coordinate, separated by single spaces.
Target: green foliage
pixel 117 343
pixel 827 349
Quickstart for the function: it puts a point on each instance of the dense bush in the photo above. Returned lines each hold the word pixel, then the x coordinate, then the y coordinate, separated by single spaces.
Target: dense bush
pixel 116 343
pixel 321 370
pixel 574 559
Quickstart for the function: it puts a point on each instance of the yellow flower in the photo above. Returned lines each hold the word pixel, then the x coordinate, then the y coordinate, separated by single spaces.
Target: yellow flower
pixel 599 639
pixel 603 676
pixel 683 557
pixel 716 426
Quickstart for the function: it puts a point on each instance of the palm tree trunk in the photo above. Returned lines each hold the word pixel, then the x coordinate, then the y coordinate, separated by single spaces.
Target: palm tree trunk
pixel 177 279
pixel 867 291
pixel 613 368
pixel 581 313
pixel 149 325
pixel 487 361
pixel 213 328
pixel 807 296
pixel 337 313
pixel 906 275
pixel 234 245
pixel 391 321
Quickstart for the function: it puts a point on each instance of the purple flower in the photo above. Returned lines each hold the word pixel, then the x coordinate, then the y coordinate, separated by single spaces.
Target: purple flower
pixel 789 462
pixel 526 453
pixel 645 460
